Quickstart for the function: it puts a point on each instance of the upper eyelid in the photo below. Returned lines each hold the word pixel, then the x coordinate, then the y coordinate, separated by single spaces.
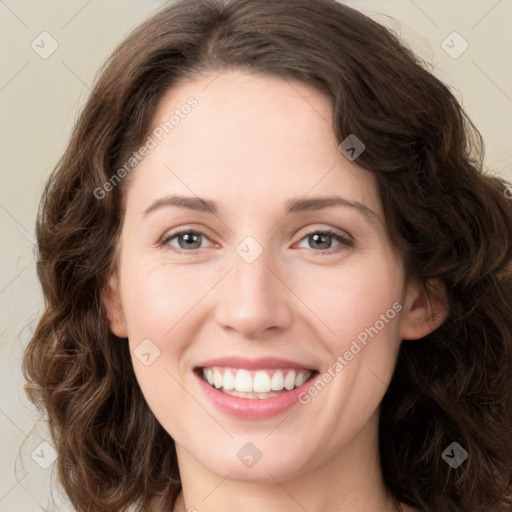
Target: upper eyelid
pixel 330 230
pixel 173 233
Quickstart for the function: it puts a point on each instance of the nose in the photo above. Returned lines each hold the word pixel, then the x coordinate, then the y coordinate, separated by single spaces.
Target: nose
pixel 254 301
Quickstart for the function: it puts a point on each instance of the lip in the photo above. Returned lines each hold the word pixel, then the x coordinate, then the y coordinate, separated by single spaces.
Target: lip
pixel 252 408
pixel 261 363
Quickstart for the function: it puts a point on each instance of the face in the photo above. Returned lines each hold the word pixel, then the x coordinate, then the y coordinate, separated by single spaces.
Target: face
pixel 263 283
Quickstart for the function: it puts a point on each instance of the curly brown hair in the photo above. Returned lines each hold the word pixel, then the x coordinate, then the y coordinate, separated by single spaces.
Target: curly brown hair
pixel 449 217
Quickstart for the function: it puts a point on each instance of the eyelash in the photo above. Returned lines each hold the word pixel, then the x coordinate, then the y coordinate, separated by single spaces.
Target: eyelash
pixel 344 241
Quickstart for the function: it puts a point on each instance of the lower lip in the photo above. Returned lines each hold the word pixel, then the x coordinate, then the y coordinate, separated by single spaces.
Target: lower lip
pixel 252 408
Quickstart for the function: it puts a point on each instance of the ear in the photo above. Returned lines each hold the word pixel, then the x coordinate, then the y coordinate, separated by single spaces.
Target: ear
pixel 112 302
pixel 425 309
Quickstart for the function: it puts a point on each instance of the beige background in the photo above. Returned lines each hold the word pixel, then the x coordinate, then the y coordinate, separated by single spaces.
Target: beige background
pixel 39 102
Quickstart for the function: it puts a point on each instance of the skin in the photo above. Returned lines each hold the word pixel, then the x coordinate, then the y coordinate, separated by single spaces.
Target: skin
pixel 252 143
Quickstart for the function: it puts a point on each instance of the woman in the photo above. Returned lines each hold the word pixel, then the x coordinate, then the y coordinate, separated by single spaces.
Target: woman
pixel 338 334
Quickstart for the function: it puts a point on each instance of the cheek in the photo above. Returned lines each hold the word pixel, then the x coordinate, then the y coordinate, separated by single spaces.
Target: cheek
pixel 349 299
pixel 159 303
pixel 157 296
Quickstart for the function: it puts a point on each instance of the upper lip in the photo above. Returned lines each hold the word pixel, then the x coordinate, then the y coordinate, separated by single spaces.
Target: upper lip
pixel 260 363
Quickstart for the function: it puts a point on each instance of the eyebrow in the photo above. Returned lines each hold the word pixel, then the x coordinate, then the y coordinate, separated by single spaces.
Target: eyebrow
pixel 294 205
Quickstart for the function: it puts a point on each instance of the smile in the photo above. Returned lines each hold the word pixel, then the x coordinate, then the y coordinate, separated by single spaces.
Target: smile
pixel 253 389
pixel 255 384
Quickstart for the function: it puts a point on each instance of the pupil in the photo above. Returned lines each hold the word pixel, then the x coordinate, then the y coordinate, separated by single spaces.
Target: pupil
pixel 189 238
pixel 318 236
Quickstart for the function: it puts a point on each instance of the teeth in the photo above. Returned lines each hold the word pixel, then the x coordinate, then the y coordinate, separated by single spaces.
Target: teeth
pixel 277 382
pixel 289 380
pixel 260 384
pixel 217 378
pixel 243 381
pixel 251 395
pixel 229 381
pixel 300 379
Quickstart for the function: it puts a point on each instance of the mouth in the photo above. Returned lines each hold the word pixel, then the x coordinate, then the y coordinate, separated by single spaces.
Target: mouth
pixel 254 384
pixel 253 389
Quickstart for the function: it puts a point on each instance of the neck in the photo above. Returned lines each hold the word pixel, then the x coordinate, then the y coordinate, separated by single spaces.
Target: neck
pixel 347 481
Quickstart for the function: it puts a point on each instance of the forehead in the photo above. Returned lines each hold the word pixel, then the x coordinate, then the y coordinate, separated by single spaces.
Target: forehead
pixel 248 135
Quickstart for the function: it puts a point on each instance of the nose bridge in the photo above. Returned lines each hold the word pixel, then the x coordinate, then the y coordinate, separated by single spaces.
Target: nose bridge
pixel 252 277
pixel 253 299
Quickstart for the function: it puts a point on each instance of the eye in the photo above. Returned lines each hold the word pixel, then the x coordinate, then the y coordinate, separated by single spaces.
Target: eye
pixel 320 240
pixel 188 240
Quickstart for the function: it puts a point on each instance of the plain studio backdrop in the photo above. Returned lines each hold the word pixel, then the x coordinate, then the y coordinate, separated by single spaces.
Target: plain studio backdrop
pixel 51 52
